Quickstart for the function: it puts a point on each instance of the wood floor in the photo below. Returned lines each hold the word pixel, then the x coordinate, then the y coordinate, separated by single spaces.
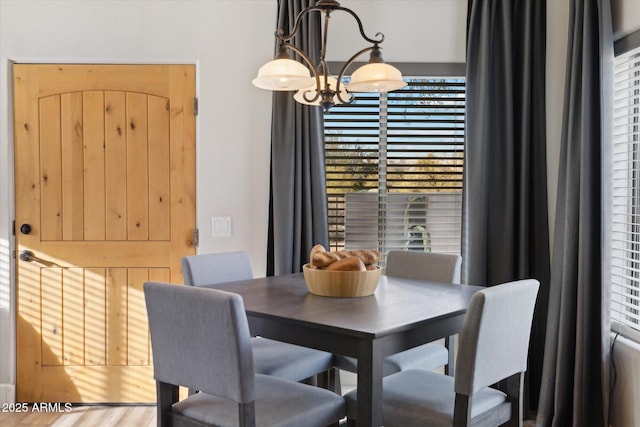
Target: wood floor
pixel 84 416
pixel 98 416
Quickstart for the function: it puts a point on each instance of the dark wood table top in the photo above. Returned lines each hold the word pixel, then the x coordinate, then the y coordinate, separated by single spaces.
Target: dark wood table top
pixel 401 314
pixel 396 304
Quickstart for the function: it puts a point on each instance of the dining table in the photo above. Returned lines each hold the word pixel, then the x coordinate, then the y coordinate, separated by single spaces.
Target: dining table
pixel 399 315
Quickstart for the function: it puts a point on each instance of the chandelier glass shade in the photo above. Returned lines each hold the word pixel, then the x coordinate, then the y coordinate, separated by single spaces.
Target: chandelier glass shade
pixel 313 83
pixel 376 77
pixel 283 74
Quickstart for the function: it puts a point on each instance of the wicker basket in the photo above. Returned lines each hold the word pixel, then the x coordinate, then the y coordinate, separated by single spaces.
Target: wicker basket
pixel 341 283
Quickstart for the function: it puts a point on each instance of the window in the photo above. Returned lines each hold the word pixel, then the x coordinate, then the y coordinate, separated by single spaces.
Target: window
pixel 625 227
pixel 394 166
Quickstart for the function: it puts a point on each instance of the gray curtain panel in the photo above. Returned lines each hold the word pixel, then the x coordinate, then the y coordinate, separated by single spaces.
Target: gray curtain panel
pixel 298 199
pixel 575 378
pixel 505 233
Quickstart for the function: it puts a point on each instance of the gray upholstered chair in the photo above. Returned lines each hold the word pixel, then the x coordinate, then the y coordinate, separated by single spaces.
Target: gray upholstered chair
pixel 200 339
pixel 493 347
pixel 422 266
pixel 288 361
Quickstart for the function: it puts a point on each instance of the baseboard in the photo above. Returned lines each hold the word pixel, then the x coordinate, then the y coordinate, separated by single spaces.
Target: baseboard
pixel 7 393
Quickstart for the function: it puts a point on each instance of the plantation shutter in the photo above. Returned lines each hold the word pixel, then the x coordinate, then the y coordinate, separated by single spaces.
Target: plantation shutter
pixel 394 167
pixel 625 260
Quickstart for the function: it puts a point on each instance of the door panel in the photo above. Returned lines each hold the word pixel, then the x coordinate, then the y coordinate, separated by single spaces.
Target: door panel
pixel 105 176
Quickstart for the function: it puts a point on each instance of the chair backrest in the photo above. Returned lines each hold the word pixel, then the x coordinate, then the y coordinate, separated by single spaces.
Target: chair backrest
pixel 494 339
pixel 200 339
pixel 424 266
pixel 211 269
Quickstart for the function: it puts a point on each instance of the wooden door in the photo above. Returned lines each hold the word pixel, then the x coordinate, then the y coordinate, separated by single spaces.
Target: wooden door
pixel 105 200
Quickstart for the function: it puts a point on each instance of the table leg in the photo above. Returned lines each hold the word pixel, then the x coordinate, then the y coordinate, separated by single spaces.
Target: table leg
pixel 369 412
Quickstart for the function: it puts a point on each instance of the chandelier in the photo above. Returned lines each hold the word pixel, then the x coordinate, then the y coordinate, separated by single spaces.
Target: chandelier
pixel 313 83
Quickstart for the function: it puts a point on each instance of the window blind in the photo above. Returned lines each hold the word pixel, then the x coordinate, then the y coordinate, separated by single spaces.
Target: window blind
pixel 625 259
pixel 394 166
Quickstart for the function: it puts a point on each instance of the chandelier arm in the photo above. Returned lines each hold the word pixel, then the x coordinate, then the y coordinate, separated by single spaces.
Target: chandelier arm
pixel 310 100
pixel 323 73
pixel 347 65
pixel 286 37
pixel 313 68
pixel 323 47
pixel 379 36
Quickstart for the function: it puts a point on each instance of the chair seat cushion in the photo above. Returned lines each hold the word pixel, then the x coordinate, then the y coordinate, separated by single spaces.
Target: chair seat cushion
pixel 274 405
pixel 427 357
pixel 424 398
pixel 288 361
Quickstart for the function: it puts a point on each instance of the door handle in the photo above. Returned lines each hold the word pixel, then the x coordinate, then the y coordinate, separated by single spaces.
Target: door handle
pixel 29 256
pixel 25 228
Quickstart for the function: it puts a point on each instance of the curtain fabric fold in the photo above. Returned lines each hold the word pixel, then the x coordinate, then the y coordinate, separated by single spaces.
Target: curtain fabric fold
pixel 298 200
pixel 575 377
pixel 505 212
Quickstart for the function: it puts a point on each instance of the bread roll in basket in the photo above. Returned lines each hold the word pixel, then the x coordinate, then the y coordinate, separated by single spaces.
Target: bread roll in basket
pixel 342 273
pixel 329 283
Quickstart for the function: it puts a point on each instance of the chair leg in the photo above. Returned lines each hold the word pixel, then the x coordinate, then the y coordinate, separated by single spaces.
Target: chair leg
pixel 513 388
pixel 461 411
pixel 167 395
pixel 334 383
pixel 247 414
pixel 323 379
pixel 329 379
pixel 449 343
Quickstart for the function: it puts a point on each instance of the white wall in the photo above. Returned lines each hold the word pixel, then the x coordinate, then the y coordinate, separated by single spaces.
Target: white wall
pixel 625 411
pixel 414 30
pixel 626 17
pixel 557 31
pixel 228 40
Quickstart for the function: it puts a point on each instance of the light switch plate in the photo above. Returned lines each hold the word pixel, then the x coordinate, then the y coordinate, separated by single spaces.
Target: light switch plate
pixel 221 226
